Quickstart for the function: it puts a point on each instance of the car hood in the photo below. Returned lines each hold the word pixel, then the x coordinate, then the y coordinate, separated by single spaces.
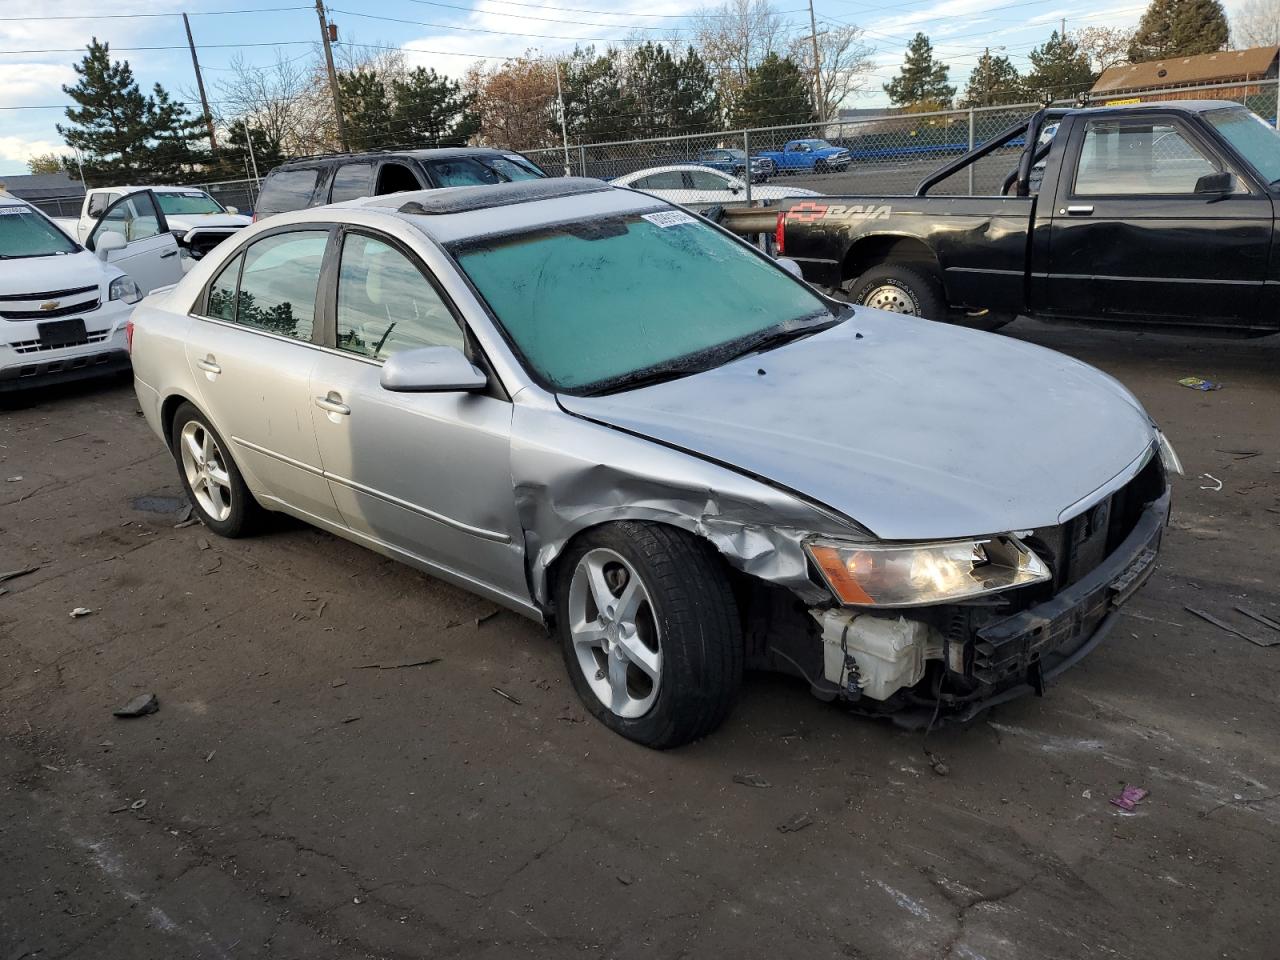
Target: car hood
pixel 211 221
pixel 916 430
pixel 68 271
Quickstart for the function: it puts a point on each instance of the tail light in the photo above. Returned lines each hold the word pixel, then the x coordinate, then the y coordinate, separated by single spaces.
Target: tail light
pixel 128 334
pixel 780 234
pixel 254 218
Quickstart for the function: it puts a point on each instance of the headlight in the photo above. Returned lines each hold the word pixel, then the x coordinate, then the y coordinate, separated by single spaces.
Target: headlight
pixel 123 288
pixel 915 574
pixel 1168 456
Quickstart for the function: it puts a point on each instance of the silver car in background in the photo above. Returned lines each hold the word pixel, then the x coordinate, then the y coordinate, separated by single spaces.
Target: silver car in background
pixel 618 419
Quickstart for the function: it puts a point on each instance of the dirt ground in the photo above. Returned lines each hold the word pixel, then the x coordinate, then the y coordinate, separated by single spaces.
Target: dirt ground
pixel 288 800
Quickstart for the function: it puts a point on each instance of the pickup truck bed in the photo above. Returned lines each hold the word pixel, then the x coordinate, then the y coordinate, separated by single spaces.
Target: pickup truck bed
pixel 1158 213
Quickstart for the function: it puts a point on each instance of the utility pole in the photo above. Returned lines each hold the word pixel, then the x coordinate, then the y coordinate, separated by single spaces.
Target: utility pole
pixel 564 130
pixel 204 100
pixel 817 68
pixel 248 139
pixel 333 76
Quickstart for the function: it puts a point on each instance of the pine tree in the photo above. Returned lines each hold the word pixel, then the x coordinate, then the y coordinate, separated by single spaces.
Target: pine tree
pixel 994 80
pixel 122 135
pixel 431 110
pixel 1059 68
pixel 596 108
pixel 669 95
pixel 1179 28
pixel 776 92
pixel 366 108
pixel 921 79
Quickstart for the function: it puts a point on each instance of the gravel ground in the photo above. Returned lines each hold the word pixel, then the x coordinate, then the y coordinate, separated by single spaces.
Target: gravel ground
pixel 289 800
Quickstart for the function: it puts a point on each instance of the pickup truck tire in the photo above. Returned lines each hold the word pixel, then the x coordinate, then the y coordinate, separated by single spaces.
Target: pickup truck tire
pixel 650 631
pixel 899 288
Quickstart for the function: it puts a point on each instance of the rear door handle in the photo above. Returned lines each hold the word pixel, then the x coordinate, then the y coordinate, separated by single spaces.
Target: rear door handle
pixel 166 256
pixel 1078 211
pixel 209 365
pixel 333 404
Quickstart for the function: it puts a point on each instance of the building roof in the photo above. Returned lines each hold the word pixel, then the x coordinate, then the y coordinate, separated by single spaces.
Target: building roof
pixel 42 186
pixel 1224 66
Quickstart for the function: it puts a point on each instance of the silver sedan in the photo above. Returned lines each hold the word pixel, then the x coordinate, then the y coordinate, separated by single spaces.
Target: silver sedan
pixel 616 418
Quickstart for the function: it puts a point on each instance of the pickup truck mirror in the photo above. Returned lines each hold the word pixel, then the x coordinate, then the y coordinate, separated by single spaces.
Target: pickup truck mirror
pixel 1217 183
pixel 233 210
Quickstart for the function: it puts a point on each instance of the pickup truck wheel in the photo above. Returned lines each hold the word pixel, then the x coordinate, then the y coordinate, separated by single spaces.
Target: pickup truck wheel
pixel 650 632
pixel 820 166
pixel 898 288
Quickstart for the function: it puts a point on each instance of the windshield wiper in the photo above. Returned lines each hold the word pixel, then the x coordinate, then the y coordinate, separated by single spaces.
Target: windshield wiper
pixel 641 378
pixel 776 338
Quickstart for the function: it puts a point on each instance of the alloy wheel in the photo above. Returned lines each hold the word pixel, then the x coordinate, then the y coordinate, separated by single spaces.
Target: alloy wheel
pixel 205 468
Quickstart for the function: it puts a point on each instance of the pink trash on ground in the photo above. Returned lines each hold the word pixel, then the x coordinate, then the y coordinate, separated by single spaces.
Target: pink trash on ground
pixel 1129 798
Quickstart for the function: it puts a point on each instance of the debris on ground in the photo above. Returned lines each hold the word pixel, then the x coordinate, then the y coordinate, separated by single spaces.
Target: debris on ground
pixel 1223 625
pixel 209 756
pixel 1214 483
pixel 751 780
pixel 202 543
pixel 13 479
pixel 351 719
pixel 1199 383
pixel 796 823
pixel 1129 798
pixel 14 574
pixel 397 664
pixel 337 683
pixel 1261 618
pixel 626 879
pixel 138 804
pixel 505 695
pixel 486 617
pixel 186 523
pixel 185 514
pixel 937 764
pixel 81 612
pixel 139 706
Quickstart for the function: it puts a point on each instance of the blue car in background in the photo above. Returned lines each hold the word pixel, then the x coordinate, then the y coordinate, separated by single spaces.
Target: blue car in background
pixel 734 163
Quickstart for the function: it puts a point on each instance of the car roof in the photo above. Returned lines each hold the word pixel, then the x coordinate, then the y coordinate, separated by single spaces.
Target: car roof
pixel 436 153
pixel 129 188
pixel 1176 106
pixel 9 200
pixel 671 168
pixel 452 214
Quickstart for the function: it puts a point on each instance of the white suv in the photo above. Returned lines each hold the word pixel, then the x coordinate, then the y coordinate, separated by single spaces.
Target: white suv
pixel 63 310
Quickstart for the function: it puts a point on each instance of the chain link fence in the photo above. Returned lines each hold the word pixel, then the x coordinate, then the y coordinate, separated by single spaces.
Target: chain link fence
pixel 877 156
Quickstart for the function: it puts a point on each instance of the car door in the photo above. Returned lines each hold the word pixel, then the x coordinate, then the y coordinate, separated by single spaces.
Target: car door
pixel 251 353
pixel 150 255
pixel 426 473
pixel 1135 233
pixel 711 187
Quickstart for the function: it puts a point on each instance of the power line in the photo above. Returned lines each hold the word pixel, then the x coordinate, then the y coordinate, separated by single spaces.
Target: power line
pixel 501 33
pixel 147 16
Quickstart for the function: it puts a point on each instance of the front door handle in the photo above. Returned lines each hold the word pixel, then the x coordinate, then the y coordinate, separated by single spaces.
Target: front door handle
pixel 209 365
pixel 166 256
pixel 1078 211
pixel 333 404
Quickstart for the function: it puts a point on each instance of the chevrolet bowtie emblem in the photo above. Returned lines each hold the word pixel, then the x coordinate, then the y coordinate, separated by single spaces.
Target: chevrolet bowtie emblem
pixel 51 305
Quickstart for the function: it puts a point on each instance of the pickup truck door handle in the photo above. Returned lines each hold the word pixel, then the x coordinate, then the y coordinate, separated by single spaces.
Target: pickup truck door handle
pixel 209 365
pixel 1078 211
pixel 333 404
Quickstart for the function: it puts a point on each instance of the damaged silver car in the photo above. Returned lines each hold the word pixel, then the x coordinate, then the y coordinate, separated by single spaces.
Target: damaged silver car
pixel 618 419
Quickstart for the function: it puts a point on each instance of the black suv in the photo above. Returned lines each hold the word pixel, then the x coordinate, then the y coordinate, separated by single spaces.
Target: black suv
pixel 315 181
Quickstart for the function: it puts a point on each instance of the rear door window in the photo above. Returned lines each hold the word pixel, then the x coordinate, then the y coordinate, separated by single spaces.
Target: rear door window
pixel 287 190
pixel 279 281
pixel 352 180
pixel 670 180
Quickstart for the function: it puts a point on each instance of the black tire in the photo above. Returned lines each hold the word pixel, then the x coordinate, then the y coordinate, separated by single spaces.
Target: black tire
pixel 697 621
pixel 820 166
pixel 919 291
pixel 246 515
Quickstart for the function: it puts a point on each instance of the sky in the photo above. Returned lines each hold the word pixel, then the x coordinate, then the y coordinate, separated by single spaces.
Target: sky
pixel 40 40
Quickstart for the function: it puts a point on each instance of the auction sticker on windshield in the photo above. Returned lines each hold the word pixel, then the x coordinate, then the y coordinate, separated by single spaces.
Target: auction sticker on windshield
pixel 669 218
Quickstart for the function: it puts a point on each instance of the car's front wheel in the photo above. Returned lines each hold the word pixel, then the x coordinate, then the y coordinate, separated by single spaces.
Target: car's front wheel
pixel 650 632
pixel 210 476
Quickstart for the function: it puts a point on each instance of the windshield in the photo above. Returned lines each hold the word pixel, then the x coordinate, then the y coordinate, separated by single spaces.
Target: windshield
pixel 188 202
pixel 597 304
pixel 481 170
pixel 819 144
pixel 25 233
pixel 1254 139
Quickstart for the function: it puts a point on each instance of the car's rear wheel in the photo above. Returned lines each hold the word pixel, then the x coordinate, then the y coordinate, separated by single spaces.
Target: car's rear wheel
pixel 899 288
pixel 650 632
pixel 210 475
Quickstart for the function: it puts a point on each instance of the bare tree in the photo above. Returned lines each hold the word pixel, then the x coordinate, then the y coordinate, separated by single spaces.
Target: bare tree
pixel 734 37
pixel 288 100
pixel 515 102
pixel 845 64
pixel 1105 47
pixel 1256 24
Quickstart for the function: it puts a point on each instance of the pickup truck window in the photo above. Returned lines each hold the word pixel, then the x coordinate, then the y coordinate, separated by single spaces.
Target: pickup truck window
pixel 1139 158
pixel 188 203
pixel 1254 139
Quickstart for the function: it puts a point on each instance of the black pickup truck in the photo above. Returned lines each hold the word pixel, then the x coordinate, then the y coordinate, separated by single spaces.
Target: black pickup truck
pixel 1158 213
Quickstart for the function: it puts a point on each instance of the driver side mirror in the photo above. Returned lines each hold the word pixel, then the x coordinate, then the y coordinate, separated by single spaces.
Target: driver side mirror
pixel 431 370
pixel 1217 183
pixel 233 210
pixel 106 243
pixel 735 188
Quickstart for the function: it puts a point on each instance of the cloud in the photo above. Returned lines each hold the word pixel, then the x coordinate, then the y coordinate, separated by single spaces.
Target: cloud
pixel 16 151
